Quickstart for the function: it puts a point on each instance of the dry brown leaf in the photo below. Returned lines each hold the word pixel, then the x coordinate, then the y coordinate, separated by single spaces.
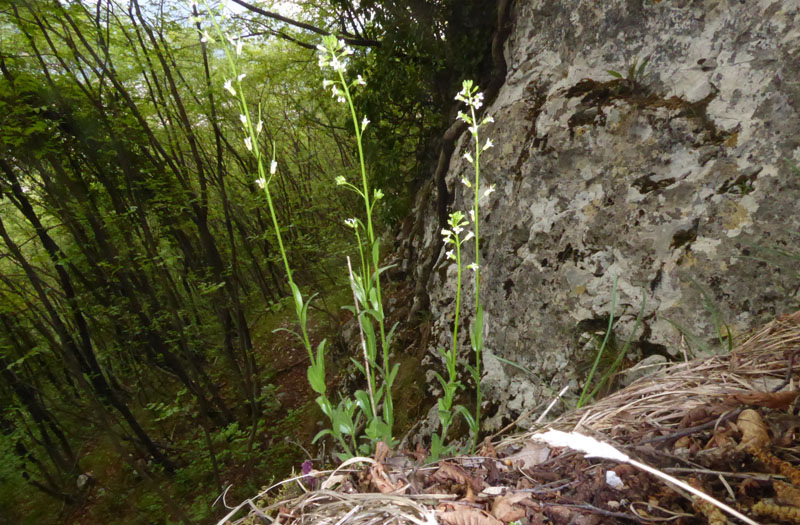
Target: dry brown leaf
pixel 776 400
pixel 754 431
pixel 702 414
pixel 448 471
pixel 381 451
pixel 503 507
pixel 487 449
pixel 378 477
pixel 531 455
pixel 467 516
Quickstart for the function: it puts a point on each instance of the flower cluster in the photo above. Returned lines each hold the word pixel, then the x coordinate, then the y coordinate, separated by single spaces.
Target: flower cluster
pixel 334 54
pixel 470 96
pixel 453 236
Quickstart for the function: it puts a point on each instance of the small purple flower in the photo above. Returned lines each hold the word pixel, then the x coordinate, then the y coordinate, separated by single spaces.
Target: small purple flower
pixel 307 468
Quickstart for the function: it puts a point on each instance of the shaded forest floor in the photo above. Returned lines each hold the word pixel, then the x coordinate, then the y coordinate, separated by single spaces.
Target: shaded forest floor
pixel 291 419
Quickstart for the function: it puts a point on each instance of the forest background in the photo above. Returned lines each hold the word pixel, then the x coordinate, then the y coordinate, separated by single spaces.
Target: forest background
pixel 140 281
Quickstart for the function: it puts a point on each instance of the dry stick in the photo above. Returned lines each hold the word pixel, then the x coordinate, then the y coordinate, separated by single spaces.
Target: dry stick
pixel 363 342
pixel 594 448
pixel 552 403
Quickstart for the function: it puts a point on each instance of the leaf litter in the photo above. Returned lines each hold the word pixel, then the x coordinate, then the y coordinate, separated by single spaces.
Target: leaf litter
pixel 726 426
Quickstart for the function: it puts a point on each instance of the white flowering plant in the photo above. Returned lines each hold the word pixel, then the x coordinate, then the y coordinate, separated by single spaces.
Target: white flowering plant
pixel 373 409
pixel 473 98
pixel 368 308
pixel 252 128
pixel 453 239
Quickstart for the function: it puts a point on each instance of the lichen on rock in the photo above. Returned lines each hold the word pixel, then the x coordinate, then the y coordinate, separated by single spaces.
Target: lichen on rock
pixel 676 181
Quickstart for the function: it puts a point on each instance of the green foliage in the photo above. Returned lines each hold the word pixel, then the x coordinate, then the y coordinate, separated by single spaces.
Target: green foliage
pixel 697 345
pixel 609 342
pixel 130 189
pixel 635 72
pixel 425 51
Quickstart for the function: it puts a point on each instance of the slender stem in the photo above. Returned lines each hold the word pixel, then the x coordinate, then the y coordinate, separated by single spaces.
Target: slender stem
pixel 367 366
pixel 478 329
pixel 368 205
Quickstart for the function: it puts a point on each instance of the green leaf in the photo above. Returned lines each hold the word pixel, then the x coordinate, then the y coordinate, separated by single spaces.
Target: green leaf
pixel 304 315
pixel 436 448
pixel 320 434
pixel 369 336
pixel 441 380
pixel 316 372
pixel 325 406
pixel 476 330
pixel 377 430
pixel 358 366
pixel 613 73
pixel 642 66
pixel 373 300
pixel 467 416
pixel 298 299
pixel 392 330
pixel 362 399
pixel 376 250
pixel 393 374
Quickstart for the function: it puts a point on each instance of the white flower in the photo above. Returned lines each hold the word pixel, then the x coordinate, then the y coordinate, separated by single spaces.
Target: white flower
pixel 464 117
pixel 243 119
pixel 446 233
pixel 360 81
pixel 488 144
pixel 326 83
pixel 364 123
pixel 341 100
pixel 487 119
pixel 340 180
pixel 488 191
pixel 347 49
pixel 473 130
pixel 465 182
pixel 472 215
pixel 239 46
pixel 228 85
pixel 468 157
pixel 241 77
pixel 468 236
pixel 249 143
pixel 321 48
pixel 259 126
pixel 351 223
pixel 273 167
pixel 457 230
pixel 261 182
pixel 337 65
pixel 451 255
pixel 473 267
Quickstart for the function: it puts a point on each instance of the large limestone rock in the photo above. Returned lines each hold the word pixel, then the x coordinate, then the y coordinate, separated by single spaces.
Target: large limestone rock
pixel 678 181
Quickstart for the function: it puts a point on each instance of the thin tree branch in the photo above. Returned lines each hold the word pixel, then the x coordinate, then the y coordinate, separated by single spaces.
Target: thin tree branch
pixel 363 42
